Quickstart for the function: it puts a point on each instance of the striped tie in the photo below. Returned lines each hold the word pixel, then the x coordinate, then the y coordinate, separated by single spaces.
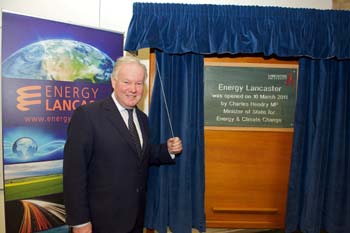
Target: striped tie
pixel 133 131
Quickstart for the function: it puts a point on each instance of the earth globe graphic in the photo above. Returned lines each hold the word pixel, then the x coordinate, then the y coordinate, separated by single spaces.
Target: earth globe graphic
pixel 60 60
pixel 25 147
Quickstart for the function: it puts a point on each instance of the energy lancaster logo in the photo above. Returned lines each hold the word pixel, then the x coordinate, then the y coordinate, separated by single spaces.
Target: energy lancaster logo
pixel 27 96
pixel 52 98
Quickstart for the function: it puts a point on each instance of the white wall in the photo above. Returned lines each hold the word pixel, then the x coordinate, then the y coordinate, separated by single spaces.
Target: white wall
pixel 113 15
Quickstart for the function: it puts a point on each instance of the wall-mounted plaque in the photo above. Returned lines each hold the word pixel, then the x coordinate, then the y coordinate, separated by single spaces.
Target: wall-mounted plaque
pixel 251 96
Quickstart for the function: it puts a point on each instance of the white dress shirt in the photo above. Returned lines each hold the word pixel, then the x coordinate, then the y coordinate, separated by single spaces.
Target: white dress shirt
pixel 125 115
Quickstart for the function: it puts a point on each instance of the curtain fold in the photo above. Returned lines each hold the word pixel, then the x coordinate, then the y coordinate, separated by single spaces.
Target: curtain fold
pixel 319 190
pixel 208 29
pixel 175 195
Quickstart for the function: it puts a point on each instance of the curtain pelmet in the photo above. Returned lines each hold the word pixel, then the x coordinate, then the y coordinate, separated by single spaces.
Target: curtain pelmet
pixel 209 29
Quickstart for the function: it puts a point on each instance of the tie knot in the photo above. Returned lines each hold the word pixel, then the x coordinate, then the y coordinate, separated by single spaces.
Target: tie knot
pixel 130 111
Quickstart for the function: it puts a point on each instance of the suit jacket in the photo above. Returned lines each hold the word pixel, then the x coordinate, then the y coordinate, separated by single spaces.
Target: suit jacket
pixel 104 179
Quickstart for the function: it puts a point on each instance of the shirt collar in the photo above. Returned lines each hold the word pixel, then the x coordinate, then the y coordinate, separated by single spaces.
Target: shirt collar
pixel 119 106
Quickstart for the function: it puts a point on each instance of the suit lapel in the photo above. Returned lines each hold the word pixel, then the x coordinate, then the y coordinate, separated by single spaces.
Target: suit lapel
pixel 114 117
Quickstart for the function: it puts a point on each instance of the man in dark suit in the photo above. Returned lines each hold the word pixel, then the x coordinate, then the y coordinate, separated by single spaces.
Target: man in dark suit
pixel 107 154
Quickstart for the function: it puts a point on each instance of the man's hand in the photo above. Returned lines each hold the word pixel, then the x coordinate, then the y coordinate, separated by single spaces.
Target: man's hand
pixel 174 145
pixel 83 229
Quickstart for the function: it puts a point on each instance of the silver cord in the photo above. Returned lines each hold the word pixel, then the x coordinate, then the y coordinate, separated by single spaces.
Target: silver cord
pixel 165 102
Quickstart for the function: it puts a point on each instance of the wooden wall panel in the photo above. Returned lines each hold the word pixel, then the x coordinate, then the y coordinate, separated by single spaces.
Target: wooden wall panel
pixel 246 178
pixel 246 172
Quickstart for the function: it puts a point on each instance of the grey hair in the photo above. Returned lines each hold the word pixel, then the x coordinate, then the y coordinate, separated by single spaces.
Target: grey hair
pixel 127 60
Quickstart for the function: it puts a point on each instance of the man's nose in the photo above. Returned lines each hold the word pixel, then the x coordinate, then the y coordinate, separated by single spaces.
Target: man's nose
pixel 133 87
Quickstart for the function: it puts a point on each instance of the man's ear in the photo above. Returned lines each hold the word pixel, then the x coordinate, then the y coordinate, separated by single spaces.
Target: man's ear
pixel 113 81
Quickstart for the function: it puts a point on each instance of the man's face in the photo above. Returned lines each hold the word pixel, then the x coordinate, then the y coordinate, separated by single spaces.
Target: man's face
pixel 128 87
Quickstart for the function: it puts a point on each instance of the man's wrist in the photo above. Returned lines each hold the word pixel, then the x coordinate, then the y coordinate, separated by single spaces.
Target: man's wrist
pixel 172 155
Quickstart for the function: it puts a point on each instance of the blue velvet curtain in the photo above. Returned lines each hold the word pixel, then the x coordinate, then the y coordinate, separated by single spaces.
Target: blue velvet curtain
pixel 319 194
pixel 211 29
pixel 319 190
pixel 175 195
